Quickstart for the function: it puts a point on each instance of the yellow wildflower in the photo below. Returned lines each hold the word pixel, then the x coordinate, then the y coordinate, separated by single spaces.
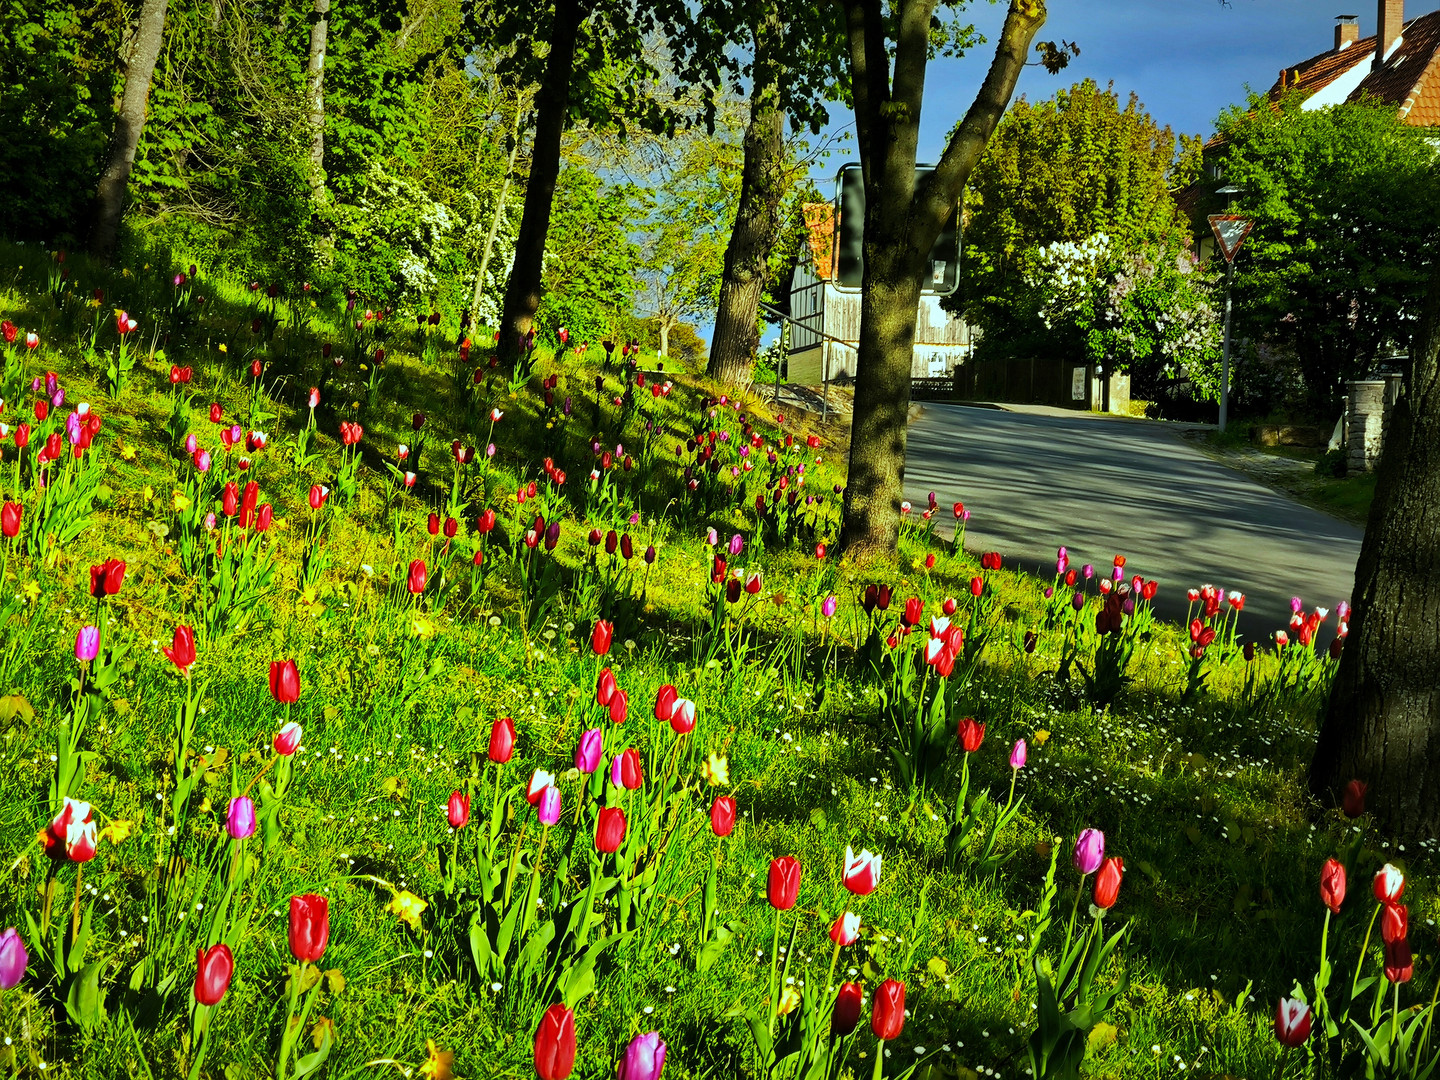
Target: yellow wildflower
pixel 223 348
pixel 789 1000
pixel 117 831
pixel 180 501
pixel 31 591
pixel 1040 738
pixel 438 1063
pixel 147 493
pixel 408 908
pixel 716 770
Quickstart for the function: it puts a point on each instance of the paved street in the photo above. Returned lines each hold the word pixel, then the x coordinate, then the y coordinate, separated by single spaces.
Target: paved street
pixel 1102 487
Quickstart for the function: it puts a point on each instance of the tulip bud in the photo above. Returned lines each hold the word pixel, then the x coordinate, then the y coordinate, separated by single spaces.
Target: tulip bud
pixel 548 807
pixel 846 1014
pixel 1353 801
pixel 722 815
pixel 87 644
pixel 555 1044
pixel 13 959
pixel 644 1058
pixel 309 930
pixel 502 740
pixel 457 810
pixel 783 883
pixel 213 968
pixel 862 872
pixel 1107 882
pixel 1018 754
pixel 1292 1022
pixel 1089 851
pixel 288 739
pixel 590 751
pixel 1332 885
pixel 846 929
pixel 609 829
pixel 887 1017
pixel 240 820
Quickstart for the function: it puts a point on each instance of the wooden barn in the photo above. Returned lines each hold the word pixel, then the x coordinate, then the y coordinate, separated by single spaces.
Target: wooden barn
pixel 825 327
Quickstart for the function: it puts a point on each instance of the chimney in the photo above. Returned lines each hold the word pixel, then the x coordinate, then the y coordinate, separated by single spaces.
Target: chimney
pixel 1392 21
pixel 1347 31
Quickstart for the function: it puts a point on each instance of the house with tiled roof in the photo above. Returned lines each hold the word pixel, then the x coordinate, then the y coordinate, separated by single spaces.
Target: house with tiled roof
pixel 1398 65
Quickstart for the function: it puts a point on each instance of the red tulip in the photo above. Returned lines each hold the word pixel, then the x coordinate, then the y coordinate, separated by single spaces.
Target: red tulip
pixel 284 681
pixel 1107 882
pixel 665 702
pixel 42 410
pixel 457 810
pixel 309 927
pixel 722 815
pixel 783 884
pixel 600 637
pixel 555 1044
pixel 627 770
pixel 610 829
pixel 887 1015
pixel 1353 801
pixel 1389 884
pixel 502 740
pixel 10 518
pixel 230 499
pixel 181 652
pixel 619 706
pixel 22 436
pixel 105 579
pixel 605 687
pixel 450 528
pixel 263 517
pixel 862 872
pixel 213 969
pixel 318 496
pixel 432 524
pixel 485 522
pixel 1394 923
pixel 914 611
pixel 1399 963
pixel 970 734
pixel 287 739
pixel 1292 1022
pixel 846 1014
pixel 1332 885
pixel 415 582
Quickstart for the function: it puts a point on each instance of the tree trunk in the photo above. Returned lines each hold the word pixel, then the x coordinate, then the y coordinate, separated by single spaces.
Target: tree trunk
pixel 665 322
pixel 757 219
pixel 552 110
pixel 902 221
pixel 1383 721
pixel 315 92
pixel 129 124
pixel 496 219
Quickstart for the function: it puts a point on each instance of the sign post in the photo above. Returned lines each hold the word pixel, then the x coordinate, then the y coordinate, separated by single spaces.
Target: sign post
pixel 1230 232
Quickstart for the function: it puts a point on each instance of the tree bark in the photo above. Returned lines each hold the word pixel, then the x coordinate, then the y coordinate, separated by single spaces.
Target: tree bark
pixel 315 91
pixel 757 219
pixel 496 218
pixel 552 109
pixel 902 221
pixel 129 124
pixel 1383 721
pixel 666 322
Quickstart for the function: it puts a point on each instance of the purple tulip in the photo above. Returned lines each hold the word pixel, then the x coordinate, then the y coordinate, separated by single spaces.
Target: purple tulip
pixel 1296 605
pixel 615 769
pixel 1062 553
pixel 1018 754
pixel 1048 592
pixel 490 450
pixel 737 544
pixel 87 643
pixel 591 752
pixel 644 1058
pixel 13 959
pixel 1088 570
pixel 1089 851
pixel 1118 574
pixel 240 821
pixel 548 808
pixel 1077 601
pixel 1128 607
pixel 827 608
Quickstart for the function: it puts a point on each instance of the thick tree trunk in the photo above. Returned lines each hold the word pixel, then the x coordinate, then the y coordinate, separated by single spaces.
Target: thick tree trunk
pixel 666 322
pixel 552 110
pixel 757 219
pixel 1383 721
pixel 315 93
pixel 902 221
pixel 129 124
pixel 496 218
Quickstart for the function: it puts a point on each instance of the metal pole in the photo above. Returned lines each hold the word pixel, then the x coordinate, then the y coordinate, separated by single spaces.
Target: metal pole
pixel 1225 355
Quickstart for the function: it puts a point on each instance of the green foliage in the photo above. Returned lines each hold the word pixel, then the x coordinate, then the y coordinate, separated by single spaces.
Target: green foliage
pixel 1065 170
pixel 1346 204
pixel 57 78
pixel 590 257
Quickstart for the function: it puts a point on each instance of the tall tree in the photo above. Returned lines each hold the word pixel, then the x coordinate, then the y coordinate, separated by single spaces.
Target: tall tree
pixel 903 218
pixel 129 125
pixel 315 93
pixel 1383 722
pixel 591 61
pixel 796 64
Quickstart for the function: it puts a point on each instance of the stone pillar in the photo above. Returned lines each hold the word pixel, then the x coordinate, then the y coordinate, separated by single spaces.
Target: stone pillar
pixel 1366 428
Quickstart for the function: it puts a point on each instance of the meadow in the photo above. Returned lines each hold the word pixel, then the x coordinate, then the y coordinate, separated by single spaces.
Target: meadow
pixel 375 708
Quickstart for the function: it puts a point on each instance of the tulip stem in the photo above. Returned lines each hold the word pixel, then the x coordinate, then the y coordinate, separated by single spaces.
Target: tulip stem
pixel 256 778
pixel 834 959
pixel 774 991
pixel 1279 1072
pixel 75 916
pixel 879 1059
pixel 1395 1014
pixel 1360 960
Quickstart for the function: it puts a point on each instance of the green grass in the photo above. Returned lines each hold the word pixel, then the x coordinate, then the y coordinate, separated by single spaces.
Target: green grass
pixel 1206 803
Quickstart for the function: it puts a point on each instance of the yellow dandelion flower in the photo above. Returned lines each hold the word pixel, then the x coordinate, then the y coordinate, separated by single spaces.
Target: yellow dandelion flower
pixel 117 831
pixel 223 348
pixel 716 770
pixel 31 591
pixel 1040 738
pixel 179 501
pixel 422 626
pixel 407 907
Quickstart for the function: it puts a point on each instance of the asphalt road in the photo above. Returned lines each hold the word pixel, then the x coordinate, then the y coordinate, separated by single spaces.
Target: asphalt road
pixel 1105 487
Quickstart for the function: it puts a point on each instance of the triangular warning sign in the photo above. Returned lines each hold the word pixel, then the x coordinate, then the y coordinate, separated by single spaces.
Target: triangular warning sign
pixel 1230 232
